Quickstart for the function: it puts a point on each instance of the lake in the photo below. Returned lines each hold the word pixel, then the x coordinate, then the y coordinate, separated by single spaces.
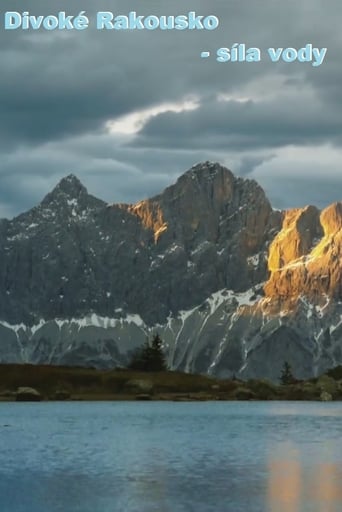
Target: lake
pixel 171 457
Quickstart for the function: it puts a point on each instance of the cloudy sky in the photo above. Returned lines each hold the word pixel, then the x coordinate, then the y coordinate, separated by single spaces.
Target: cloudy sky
pixel 130 111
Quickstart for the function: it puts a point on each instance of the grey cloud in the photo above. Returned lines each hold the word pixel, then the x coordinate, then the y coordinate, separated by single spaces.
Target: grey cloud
pixel 61 86
pixel 57 91
pixel 248 164
pixel 298 192
pixel 242 125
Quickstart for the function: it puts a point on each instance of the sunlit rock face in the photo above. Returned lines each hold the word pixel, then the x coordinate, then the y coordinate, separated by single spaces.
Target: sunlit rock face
pixel 232 286
pixel 300 229
pixel 305 257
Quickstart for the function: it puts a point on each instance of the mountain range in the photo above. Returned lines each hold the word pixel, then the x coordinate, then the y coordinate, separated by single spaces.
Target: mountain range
pixel 233 286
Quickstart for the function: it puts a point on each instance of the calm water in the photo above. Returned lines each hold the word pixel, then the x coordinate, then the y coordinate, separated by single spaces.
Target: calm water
pixel 171 457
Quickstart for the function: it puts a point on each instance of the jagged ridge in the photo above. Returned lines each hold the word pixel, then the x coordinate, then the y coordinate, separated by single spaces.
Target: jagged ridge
pixel 83 282
pixel 73 254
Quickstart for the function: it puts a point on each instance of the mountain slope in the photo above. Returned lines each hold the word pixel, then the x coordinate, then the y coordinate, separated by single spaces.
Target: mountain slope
pixel 231 285
pixel 73 254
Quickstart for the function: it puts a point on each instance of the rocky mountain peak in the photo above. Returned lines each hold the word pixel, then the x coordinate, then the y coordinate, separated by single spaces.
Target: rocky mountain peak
pixel 70 186
pixel 331 218
pixel 70 195
pixel 204 175
pixel 208 204
pixel 207 170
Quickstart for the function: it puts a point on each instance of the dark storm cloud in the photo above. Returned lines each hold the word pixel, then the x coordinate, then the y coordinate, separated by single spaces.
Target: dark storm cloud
pixel 242 125
pixel 59 90
pixel 57 84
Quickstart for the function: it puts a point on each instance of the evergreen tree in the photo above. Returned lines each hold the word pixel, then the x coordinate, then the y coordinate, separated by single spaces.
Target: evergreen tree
pixel 157 362
pixel 150 357
pixel 139 358
pixel 286 376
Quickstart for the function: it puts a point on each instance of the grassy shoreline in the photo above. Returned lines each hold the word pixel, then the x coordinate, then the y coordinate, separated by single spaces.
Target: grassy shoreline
pixel 74 383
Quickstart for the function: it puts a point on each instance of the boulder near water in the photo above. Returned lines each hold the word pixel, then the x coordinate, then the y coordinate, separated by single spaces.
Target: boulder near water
pixel 27 394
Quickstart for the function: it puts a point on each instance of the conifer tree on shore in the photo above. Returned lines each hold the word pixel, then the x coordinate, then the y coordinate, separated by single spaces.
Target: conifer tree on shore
pixel 286 376
pixel 150 357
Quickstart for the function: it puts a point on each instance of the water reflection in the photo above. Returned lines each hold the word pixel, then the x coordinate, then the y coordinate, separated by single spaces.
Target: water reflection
pixel 150 487
pixel 295 487
pixel 178 457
